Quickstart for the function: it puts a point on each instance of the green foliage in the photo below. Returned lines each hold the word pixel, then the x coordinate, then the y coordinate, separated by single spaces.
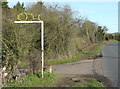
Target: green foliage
pixel 22 64
pixel 19 7
pixel 64 35
pixel 109 37
pixel 73 59
pixel 5 5
pixel 90 28
pixel 112 36
pixel 78 56
pixel 89 83
pixel 16 44
pixel 35 80
pixel 117 36
pixel 100 33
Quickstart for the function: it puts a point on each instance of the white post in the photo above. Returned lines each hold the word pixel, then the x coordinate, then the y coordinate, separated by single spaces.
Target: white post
pixel 42 47
pixel 42 40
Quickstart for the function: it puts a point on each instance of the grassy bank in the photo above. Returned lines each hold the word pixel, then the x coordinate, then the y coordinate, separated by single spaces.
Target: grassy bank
pixel 90 83
pixel 75 58
pixel 80 54
pixel 100 46
pixel 51 80
pixel 34 80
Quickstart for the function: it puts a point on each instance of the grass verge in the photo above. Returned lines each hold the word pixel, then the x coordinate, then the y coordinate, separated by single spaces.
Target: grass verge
pixel 99 45
pixel 90 83
pixel 23 64
pixel 73 59
pixel 34 80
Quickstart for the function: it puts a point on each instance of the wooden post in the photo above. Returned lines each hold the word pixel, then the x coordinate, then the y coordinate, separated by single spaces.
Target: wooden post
pixel 50 69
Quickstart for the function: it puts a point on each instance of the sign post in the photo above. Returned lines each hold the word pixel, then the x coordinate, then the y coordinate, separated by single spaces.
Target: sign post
pixel 42 41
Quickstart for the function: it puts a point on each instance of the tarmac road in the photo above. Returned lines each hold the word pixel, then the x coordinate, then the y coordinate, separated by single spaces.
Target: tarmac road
pixel 81 67
pixel 110 62
pixel 106 66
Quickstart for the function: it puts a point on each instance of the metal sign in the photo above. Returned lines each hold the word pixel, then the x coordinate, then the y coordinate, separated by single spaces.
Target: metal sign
pixel 26 16
pixel 25 20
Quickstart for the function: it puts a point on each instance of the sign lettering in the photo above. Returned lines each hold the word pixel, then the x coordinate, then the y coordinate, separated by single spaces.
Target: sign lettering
pixel 25 16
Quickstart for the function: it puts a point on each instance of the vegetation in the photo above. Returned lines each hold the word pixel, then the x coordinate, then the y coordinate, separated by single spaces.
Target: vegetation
pixel 115 36
pixel 34 80
pixel 75 58
pixel 65 37
pixel 78 56
pixel 100 45
pixel 89 83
